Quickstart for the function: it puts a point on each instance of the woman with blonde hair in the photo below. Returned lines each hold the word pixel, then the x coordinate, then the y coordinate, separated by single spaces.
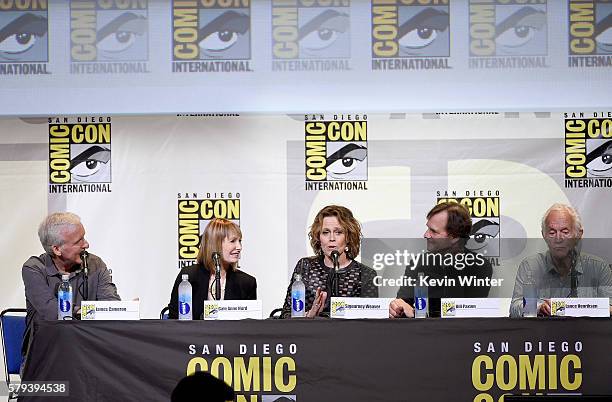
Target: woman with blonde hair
pixel 223 238
pixel 335 237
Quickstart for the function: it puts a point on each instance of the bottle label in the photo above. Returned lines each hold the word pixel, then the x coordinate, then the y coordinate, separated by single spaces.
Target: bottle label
pixel 64 305
pixel 297 304
pixel 420 303
pixel 184 308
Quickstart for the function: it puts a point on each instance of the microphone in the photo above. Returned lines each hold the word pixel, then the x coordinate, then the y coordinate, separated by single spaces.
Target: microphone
pixel 217 260
pixel 84 261
pixel 85 267
pixel 335 255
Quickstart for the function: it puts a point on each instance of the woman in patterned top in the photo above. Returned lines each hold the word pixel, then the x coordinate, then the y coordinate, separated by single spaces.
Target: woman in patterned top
pixel 334 230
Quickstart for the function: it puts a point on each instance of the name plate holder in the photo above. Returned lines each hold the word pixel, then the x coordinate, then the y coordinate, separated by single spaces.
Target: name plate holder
pixel 232 309
pixel 110 310
pixel 580 306
pixel 360 307
pixel 477 307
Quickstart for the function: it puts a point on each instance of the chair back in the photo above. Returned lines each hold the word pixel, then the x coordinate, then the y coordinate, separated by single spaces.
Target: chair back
pixel 12 327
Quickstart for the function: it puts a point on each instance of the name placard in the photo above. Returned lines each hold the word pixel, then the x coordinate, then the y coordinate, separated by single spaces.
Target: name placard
pixel 580 306
pixel 110 310
pixel 360 307
pixel 232 309
pixel 472 307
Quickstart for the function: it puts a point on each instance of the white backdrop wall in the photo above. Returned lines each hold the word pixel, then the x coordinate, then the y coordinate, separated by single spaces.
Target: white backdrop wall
pixel 129 203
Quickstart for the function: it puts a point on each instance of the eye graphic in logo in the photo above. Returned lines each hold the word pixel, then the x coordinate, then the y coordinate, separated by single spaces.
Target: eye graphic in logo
pixel 481 238
pixel 603 31
pixel 324 35
pixel 225 37
pixel 23 37
pixel 599 160
pixel 425 33
pixel 349 162
pixel 91 165
pixel 523 32
pixel 124 37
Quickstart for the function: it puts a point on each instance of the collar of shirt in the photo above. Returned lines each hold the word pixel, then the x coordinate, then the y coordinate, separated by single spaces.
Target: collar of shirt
pixel 52 270
pixel 550 266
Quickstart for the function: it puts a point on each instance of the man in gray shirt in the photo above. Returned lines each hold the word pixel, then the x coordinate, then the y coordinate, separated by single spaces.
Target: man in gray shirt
pixel 552 271
pixel 63 237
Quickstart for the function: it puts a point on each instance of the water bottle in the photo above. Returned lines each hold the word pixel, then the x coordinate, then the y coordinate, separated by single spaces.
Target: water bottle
pixel 64 299
pixel 421 302
pixel 184 299
pixel 298 297
pixel 530 297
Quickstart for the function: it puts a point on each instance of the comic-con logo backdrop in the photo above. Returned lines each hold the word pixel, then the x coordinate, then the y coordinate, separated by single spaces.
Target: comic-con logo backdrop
pixel 589 27
pixel 410 28
pixel 23 31
pixel 588 150
pixel 79 154
pixel 310 29
pixel 336 151
pixel 194 213
pixel 485 213
pixel 211 30
pixel 108 30
pixel 508 34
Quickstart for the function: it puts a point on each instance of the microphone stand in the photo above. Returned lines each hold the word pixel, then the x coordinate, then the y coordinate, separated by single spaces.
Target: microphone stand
pixel 85 268
pixel 217 280
pixel 573 275
pixel 334 288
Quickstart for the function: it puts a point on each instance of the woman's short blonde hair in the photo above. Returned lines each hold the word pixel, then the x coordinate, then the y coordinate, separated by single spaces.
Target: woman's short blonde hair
pixel 212 240
pixel 347 221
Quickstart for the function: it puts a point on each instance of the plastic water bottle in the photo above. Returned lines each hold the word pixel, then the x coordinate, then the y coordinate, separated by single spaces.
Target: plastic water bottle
pixel 184 299
pixel 298 297
pixel 64 299
pixel 530 297
pixel 421 301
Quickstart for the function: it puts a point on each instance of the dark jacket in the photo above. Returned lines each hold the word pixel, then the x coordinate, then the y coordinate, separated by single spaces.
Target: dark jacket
pixel 239 286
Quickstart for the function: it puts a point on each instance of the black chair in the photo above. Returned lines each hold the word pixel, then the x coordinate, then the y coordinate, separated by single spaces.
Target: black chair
pixel 12 328
pixel 276 314
pixel 164 314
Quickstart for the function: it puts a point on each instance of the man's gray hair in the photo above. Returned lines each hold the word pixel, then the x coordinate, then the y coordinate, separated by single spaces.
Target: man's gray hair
pixel 563 208
pixel 49 231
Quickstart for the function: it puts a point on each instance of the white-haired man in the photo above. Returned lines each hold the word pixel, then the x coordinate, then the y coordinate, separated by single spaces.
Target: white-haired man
pixel 62 235
pixel 551 272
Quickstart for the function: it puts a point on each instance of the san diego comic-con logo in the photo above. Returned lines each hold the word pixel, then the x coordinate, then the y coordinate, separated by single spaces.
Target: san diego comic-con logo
pixel 484 211
pixel 79 154
pixel 194 213
pixel 536 366
pixel 449 309
pixel 410 34
pixel 588 150
pixel 336 152
pixel 24 43
pixel 109 36
pixel 262 371
pixel 590 33
pixel 508 34
pixel 211 36
pixel 311 35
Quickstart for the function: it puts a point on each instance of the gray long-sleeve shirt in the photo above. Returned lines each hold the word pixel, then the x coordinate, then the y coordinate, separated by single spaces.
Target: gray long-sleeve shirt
pixel 42 279
pixel 594 279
